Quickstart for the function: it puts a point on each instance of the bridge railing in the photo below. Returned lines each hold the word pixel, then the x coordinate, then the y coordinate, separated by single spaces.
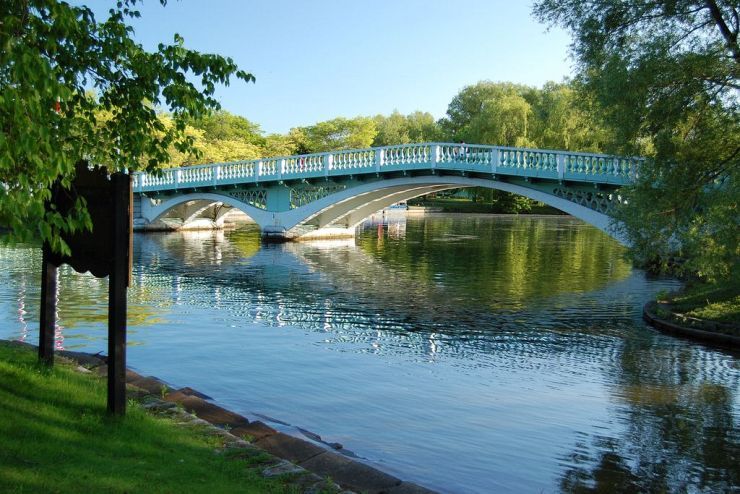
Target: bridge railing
pixel 351 160
pixel 497 160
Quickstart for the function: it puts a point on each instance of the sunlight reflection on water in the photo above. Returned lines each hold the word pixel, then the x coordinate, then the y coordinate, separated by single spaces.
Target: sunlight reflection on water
pixel 469 354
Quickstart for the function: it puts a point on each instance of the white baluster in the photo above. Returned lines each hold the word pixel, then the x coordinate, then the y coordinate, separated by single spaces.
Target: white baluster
pixel 328 161
pixel 560 166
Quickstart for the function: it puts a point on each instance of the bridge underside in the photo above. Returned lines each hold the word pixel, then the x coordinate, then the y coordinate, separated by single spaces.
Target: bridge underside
pixel 327 207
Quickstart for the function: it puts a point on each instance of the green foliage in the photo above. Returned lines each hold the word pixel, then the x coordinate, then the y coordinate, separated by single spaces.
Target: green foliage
pixel 51 55
pixel 224 126
pixel 279 145
pixel 710 302
pixel 484 200
pixel 220 136
pixel 565 117
pixel 403 129
pixel 665 77
pixel 338 133
pixel 558 116
pixel 489 113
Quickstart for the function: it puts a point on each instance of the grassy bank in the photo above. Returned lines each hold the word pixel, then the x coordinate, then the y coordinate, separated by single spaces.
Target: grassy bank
pixel 704 306
pixel 716 303
pixel 56 437
pixel 459 205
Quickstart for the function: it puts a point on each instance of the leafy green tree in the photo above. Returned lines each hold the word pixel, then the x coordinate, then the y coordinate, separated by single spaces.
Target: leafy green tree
pixel 422 127
pixel 496 113
pixel 488 112
pixel 219 137
pixel 403 129
pixel 564 117
pixel 391 130
pixel 665 77
pixel 338 133
pixel 279 145
pixel 224 126
pixel 51 54
pixel 223 150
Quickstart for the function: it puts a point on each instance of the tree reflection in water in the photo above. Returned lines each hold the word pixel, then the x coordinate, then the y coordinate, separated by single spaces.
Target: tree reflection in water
pixel 676 406
pixel 525 331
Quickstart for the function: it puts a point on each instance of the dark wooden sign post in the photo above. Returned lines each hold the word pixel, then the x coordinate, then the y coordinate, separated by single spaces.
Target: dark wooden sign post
pixel 106 251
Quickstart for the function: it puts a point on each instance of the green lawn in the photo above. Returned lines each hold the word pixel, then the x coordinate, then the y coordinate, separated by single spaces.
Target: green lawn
pixel 55 437
pixel 719 303
pixel 464 205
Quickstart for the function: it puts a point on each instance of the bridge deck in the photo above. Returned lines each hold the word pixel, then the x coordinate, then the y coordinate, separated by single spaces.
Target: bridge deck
pixel 496 160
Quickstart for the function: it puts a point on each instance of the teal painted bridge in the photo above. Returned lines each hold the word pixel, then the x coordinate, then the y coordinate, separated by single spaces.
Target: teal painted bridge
pixel 329 194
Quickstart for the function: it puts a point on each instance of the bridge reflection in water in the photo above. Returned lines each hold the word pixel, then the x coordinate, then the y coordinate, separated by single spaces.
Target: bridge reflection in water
pixel 471 355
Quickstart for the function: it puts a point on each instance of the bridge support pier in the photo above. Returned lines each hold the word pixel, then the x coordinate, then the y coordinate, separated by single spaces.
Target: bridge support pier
pixel 274 234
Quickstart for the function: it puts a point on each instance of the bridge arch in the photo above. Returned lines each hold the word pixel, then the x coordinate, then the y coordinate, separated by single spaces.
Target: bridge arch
pixel 351 206
pixel 153 209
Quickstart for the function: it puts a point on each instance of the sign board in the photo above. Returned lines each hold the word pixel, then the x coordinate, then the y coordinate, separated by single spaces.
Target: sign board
pixel 104 251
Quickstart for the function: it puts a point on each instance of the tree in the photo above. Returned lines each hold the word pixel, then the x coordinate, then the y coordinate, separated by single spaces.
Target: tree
pixel 664 75
pixel 221 136
pixel 421 127
pixel 403 129
pixel 279 145
pixel 391 130
pixel 339 133
pixel 52 54
pixel 224 126
pixel 490 113
pixel 495 113
pixel 564 117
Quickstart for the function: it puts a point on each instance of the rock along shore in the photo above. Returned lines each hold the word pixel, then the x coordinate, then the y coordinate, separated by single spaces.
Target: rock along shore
pixel 314 468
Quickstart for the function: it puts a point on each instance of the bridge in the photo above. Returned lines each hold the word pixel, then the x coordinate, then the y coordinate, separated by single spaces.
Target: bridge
pixel 329 194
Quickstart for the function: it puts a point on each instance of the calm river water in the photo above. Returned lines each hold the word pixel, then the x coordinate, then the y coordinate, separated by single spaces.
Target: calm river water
pixel 468 354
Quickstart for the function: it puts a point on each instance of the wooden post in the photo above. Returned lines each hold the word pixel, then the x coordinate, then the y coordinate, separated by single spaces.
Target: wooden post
pixel 117 283
pixel 48 308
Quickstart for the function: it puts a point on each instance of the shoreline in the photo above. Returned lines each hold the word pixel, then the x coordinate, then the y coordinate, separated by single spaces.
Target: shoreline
pixel 297 455
pixel 726 341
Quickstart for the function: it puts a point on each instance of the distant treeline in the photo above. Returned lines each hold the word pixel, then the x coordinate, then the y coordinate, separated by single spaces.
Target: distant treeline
pixel 555 116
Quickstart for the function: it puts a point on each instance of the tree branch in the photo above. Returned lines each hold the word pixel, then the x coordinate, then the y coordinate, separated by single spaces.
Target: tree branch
pixel 730 37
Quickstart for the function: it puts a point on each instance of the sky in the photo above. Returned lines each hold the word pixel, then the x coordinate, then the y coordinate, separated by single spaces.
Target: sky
pixel 321 59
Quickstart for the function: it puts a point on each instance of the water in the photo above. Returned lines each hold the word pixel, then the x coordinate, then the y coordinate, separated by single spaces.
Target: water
pixel 468 354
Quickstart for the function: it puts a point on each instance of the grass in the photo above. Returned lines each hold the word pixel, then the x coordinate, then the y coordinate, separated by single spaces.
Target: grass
pixel 56 437
pixel 462 205
pixel 720 303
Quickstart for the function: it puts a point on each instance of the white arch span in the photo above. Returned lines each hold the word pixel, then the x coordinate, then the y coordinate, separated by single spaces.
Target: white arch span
pixel 151 212
pixel 356 203
pixel 349 207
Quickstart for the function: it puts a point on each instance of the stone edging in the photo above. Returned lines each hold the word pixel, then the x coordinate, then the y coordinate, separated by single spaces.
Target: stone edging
pixel 310 466
pixel 720 339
